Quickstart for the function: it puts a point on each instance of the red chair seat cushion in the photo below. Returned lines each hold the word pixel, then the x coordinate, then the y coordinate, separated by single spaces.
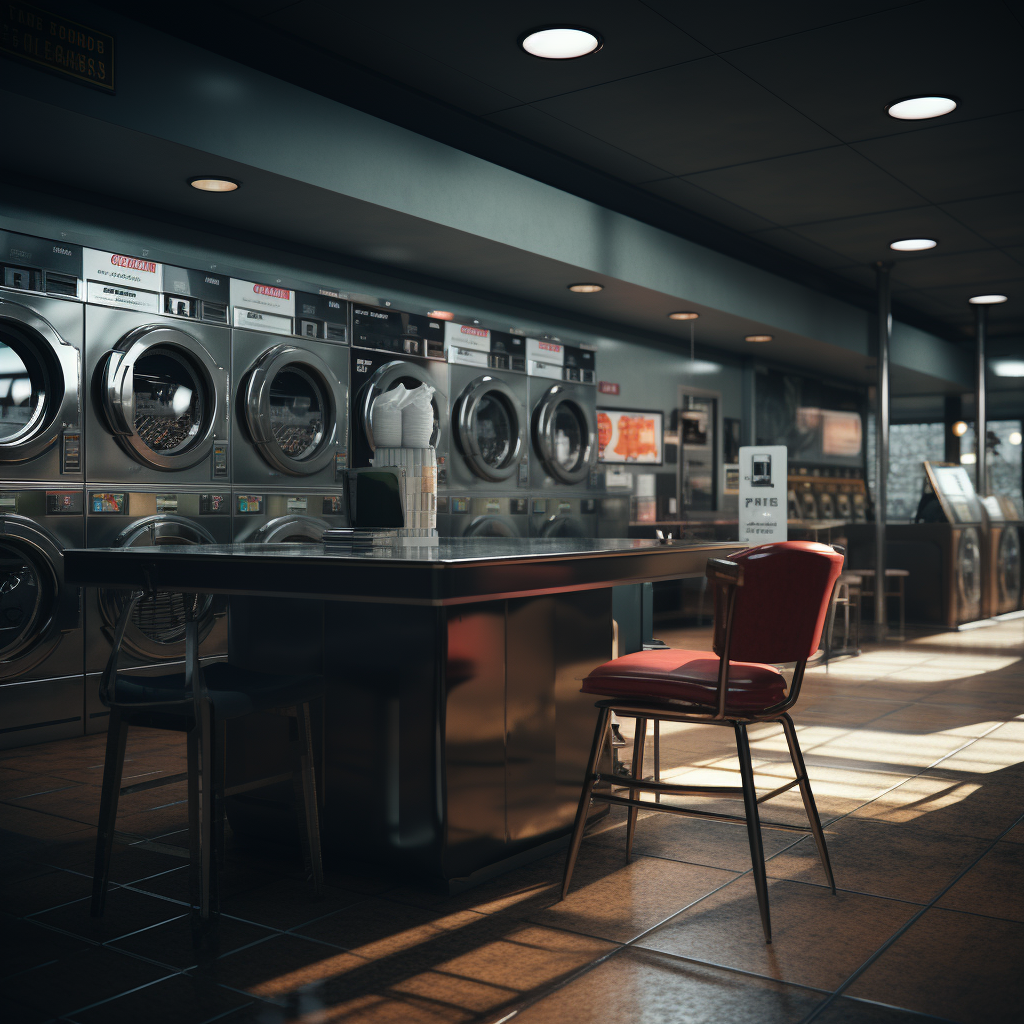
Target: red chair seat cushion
pixel 687 676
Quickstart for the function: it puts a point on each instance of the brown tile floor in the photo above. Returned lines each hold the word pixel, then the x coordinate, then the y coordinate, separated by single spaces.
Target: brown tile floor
pixel 916 755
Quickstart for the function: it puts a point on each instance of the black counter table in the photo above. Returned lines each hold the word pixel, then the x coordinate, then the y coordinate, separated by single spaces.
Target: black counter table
pixel 454 733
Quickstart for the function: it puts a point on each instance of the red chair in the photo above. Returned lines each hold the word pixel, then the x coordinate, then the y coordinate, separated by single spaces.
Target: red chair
pixel 771 603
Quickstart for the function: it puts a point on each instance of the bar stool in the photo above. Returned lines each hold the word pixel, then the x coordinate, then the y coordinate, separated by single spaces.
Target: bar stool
pixel 771 603
pixel 897 575
pixel 847 597
pixel 201 700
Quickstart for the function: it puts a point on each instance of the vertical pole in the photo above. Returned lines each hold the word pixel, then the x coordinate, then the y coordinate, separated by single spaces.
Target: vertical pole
pixel 980 414
pixel 748 434
pixel 882 440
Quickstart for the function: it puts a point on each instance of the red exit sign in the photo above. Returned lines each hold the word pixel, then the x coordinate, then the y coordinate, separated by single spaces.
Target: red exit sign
pixel 606 387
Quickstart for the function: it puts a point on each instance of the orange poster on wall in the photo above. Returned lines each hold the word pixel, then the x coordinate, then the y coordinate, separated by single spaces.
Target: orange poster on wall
pixel 628 436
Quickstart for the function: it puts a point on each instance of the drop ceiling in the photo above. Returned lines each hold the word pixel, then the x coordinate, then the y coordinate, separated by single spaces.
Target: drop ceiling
pixel 757 129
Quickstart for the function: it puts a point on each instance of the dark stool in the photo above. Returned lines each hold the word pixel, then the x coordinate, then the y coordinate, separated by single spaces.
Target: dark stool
pixel 897 577
pixel 771 603
pixel 201 700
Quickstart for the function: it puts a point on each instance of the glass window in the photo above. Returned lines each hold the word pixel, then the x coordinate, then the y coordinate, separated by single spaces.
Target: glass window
pixel 297 411
pixel 569 436
pixel 495 428
pixel 23 393
pixel 20 595
pixel 168 399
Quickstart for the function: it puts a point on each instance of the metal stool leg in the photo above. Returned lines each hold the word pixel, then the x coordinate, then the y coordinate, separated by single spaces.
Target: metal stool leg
pixel 113 766
pixel 600 731
pixel 657 756
pixel 753 827
pixel 308 817
pixel 808 797
pixel 637 770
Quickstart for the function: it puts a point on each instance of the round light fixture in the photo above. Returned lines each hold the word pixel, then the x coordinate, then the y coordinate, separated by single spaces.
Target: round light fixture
pixel 214 184
pixel 959 428
pixel 586 289
pixel 441 314
pixel 969 459
pixel 986 300
pixel 913 244
pixel 758 337
pixel 920 108
pixel 1015 437
pixel 683 316
pixel 1008 367
pixel 561 42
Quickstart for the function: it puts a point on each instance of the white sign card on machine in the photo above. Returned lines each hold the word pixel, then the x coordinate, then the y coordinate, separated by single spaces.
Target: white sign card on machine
pixel 763 481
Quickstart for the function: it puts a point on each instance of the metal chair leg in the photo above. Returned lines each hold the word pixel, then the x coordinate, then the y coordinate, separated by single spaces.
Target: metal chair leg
pixel 309 820
pixel 808 797
pixel 657 756
pixel 753 827
pixel 637 769
pixel 113 767
pixel 600 731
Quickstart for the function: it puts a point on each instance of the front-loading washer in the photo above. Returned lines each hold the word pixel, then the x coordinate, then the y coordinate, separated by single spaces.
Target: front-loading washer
pixel 155 637
pixel 158 402
pixel 564 516
pixel 290 410
pixel 479 515
pixel 490 432
pixel 40 360
pixel 391 348
pixel 286 517
pixel 41 639
pixel 1001 557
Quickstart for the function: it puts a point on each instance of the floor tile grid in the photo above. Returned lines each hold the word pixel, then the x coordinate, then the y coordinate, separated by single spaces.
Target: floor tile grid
pixel 818 1010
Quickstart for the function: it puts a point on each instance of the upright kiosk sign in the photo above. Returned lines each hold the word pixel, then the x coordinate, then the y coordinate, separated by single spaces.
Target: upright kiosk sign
pixel 763 481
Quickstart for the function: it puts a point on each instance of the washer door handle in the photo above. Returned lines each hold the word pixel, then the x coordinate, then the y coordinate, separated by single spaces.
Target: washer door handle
pixel 118 381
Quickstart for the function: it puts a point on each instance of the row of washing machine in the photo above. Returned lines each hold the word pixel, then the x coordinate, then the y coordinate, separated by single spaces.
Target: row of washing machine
pixel 192 409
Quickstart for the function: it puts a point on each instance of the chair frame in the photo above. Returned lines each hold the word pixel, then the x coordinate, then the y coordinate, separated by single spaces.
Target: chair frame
pixel 205 750
pixel 728 576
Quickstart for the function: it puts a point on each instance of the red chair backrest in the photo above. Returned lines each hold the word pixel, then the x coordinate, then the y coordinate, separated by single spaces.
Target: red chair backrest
pixel 782 605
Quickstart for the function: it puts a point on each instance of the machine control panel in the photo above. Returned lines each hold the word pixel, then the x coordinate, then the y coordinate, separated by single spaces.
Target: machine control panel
pixel 219 462
pixel 214 505
pixel 64 503
pixel 71 451
pixel 108 503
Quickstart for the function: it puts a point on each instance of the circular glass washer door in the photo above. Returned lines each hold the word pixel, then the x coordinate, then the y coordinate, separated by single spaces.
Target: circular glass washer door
pixel 294 529
pixel 293 409
pixel 490 428
pixel 489 526
pixel 389 376
pixel 160 397
pixel 39 384
pixel 562 526
pixel 564 435
pixel 1009 567
pixel 35 605
pixel 157 626
pixel 968 572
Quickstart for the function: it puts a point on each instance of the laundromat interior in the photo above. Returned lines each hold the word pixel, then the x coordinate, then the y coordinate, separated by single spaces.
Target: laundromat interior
pixel 422 425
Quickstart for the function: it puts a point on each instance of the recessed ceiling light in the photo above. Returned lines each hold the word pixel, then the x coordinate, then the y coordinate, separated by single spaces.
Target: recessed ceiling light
pixel 441 314
pixel 683 316
pixel 758 337
pixel 1008 367
pixel 919 108
pixel 561 42
pixel 214 184
pixel 913 244
pixel 586 289
pixel 986 300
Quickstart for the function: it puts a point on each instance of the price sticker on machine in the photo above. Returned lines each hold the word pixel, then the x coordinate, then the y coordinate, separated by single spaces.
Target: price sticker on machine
pixel 762 512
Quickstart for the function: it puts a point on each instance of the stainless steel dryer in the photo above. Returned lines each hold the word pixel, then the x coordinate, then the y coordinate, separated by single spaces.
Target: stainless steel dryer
pixel 563 417
pixel 290 415
pixel 488 386
pixel 158 408
pixel 483 516
pixel 286 517
pixel 391 348
pixel 40 360
pixel 40 616
pixel 155 637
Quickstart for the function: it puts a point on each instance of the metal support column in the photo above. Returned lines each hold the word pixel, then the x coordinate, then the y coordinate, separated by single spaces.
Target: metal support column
pixel 882 441
pixel 980 412
pixel 749 421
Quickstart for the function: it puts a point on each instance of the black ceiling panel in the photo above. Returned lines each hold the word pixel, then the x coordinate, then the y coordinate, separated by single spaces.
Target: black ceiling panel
pixel 956 161
pixel 1016 252
pixel 796 245
pixel 534 124
pixel 695 116
pixel 866 238
pixel 727 26
pixel 1000 219
pixel 969 268
pixel 684 193
pixel 826 183
pixel 845 75
pixel 482 40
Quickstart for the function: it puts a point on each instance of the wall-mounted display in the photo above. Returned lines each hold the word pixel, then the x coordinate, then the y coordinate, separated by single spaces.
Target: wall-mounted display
pixel 630 435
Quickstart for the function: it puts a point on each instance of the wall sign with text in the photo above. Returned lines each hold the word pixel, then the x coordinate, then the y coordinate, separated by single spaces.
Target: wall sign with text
pixel 763 509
